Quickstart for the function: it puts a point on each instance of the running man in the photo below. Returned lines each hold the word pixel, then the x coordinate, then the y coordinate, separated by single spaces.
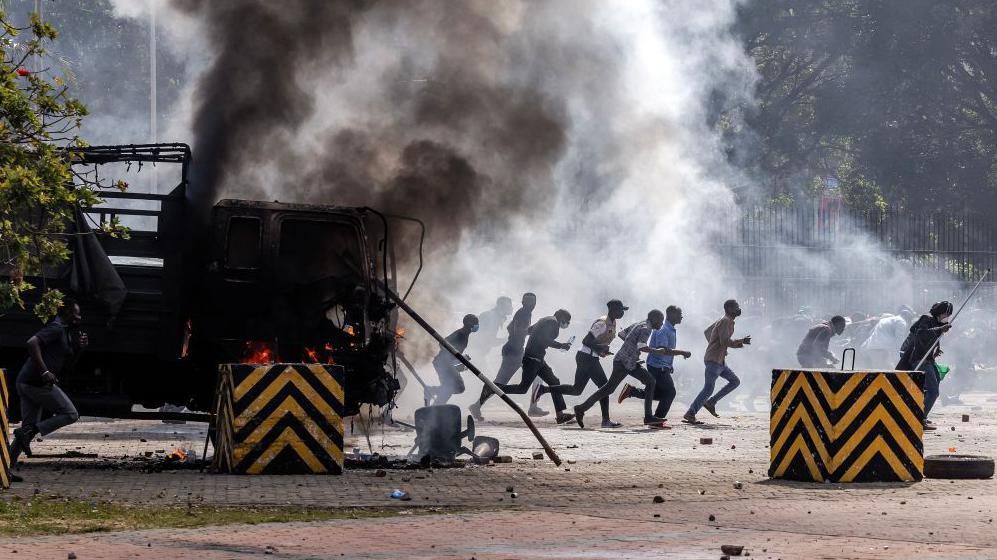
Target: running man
pixel 595 345
pixel 923 335
pixel 543 335
pixel 512 352
pixel 718 336
pixel 660 365
pixel 447 366
pixel 53 349
pixel 627 362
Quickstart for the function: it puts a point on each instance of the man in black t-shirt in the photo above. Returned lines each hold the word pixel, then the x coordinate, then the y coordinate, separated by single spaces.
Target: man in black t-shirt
pixel 51 350
pixel 448 367
pixel 542 335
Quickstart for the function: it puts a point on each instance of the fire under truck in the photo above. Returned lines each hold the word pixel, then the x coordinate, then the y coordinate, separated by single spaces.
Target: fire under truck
pixel 256 282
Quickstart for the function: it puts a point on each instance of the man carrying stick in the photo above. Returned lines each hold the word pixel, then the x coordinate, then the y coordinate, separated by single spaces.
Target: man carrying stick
pixel 921 346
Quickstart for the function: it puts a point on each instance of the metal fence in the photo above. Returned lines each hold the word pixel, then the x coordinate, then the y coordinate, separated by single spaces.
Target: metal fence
pixel 824 255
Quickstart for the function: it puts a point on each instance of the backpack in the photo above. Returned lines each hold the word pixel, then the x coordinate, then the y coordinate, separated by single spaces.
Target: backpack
pixel 708 333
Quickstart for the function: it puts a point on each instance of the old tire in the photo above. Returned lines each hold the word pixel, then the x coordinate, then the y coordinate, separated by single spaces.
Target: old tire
pixel 958 466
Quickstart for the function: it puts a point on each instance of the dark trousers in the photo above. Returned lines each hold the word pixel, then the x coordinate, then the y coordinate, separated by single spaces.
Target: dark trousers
pixel 932 383
pixel 664 390
pixel 34 400
pixel 619 374
pixel 450 383
pixel 532 369
pixel 587 368
pixel 512 360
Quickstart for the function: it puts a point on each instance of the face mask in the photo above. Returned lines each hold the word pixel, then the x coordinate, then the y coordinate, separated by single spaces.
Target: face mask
pixel 474 328
pixel 564 325
pixel 946 319
pixel 737 313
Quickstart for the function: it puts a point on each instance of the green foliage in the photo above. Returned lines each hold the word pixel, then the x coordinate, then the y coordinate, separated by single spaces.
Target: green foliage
pixel 38 189
pixel 899 92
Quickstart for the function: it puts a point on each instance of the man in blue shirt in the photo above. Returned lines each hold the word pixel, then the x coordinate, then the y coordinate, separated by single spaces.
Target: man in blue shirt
pixel 659 364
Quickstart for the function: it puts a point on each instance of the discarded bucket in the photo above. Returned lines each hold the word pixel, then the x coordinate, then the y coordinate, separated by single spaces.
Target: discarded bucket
pixel 4 432
pixel 279 419
pixel 847 426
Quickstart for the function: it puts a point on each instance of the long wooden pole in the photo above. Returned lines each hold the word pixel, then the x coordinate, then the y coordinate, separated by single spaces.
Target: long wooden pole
pixel 937 340
pixel 470 367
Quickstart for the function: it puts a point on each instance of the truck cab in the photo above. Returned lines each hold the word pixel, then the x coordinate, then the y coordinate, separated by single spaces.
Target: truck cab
pixel 254 282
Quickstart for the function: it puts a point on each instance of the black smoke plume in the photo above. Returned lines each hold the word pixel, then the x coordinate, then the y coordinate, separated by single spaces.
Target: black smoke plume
pixel 455 143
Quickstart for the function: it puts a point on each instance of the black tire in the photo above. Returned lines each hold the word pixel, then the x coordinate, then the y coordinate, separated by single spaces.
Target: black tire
pixel 958 466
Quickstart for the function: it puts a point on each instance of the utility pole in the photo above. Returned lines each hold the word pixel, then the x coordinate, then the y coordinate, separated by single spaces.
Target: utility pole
pixel 153 128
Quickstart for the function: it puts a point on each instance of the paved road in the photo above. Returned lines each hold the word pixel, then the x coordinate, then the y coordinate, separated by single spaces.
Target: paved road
pixel 597 505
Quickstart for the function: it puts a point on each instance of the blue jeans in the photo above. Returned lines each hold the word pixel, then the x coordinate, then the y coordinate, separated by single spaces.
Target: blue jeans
pixel 713 371
pixel 931 385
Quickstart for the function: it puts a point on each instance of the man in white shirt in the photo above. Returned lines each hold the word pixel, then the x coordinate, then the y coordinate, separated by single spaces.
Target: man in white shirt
pixel 880 349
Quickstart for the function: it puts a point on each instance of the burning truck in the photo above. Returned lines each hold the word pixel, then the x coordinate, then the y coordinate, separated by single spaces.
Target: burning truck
pixel 256 282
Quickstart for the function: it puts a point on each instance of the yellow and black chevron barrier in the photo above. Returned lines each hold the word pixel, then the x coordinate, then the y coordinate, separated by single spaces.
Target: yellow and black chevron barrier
pixel 847 426
pixel 279 419
pixel 4 432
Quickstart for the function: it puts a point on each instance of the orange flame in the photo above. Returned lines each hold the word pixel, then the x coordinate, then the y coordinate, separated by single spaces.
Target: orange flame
pixel 312 355
pixel 257 352
pixel 178 455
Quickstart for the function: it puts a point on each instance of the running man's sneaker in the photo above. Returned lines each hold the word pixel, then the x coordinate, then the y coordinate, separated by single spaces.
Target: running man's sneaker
pixel 930 427
pixel 579 416
pixel 23 440
pixel 15 478
pixel 537 412
pixel 475 410
pixel 625 393
pixel 649 420
pixel 610 424
pixel 564 418
pixel 711 408
pixel 691 419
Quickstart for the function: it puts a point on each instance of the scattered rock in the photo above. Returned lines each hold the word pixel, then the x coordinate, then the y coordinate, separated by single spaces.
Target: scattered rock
pixel 658 500
pixel 537 455
pixel 751 471
pixel 143 440
pixel 953 428
pixel 515 494
pixel 732 549
pixel 71 556
pixel 705 441
pixel 380 473
pixel 509 489
pixel 572 446
pixel 965 418
pixel 738 485
pixel 713 517
pixel 733 447
pixel 502 459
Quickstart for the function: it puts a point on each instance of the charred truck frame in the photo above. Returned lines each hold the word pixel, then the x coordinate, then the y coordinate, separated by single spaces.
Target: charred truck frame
pixel 259 282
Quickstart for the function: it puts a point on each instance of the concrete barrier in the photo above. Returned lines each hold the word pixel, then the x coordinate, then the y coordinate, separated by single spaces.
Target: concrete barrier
pixel 847 426
pixel 5 397
pixel 279 419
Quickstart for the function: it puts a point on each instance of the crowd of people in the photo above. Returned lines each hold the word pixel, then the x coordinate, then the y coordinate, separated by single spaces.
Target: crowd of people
pixel 646 356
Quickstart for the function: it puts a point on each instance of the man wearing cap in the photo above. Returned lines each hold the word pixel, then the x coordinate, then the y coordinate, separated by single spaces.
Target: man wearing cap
pixel 627 362
pixel 542 335
pixel 447 366
pixel 588 367
pixel 659 364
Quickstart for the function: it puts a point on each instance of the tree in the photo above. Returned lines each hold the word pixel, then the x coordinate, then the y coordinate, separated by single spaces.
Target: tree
pixel 39 190
pixel 897 99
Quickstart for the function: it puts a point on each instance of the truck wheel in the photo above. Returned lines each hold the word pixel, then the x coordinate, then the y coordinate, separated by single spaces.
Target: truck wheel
pixel 958 466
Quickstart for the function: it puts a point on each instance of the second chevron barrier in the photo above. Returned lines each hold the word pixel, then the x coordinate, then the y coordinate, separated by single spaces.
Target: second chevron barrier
pixel 847 426
pixel 279 419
